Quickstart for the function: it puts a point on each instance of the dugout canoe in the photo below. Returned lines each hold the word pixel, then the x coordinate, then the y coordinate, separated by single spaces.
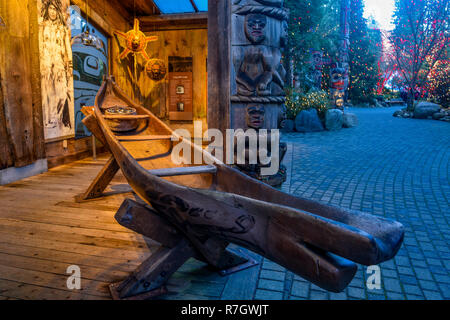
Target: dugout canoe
pixel 319 242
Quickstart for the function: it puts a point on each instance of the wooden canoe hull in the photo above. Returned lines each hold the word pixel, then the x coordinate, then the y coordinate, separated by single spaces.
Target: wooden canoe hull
pixel 316 241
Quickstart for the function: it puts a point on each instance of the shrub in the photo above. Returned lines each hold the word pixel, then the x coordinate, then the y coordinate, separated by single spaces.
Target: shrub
pixel 297 102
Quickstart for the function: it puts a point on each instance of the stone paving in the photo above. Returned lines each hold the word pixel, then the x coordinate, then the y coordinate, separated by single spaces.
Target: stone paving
pixel 392 167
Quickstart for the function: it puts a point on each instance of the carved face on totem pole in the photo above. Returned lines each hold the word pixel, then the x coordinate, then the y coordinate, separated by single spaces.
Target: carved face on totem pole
pixel 255 116
pixel 255 25
pixel 338 86
pixel 337 78
pixel 317 60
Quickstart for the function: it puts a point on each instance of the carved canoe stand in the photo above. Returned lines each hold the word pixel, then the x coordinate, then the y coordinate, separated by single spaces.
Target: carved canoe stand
pixel 110 169
pixel 149 279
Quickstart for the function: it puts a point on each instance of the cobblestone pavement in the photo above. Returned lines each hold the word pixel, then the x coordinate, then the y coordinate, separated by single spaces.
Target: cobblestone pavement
pixel 392 167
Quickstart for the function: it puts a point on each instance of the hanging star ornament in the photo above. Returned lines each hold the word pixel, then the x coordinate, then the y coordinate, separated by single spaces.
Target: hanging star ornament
pixel 136 41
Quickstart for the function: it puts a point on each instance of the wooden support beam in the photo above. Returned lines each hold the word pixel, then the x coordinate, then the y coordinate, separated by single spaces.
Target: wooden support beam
pixel 127 117
pixel 198 20
pixel 154 272
pixel 143 220
pixel 183 171
pixel 100 182
pixel 219 17
pixel 143 138
pixel 149 278
pixel 194 5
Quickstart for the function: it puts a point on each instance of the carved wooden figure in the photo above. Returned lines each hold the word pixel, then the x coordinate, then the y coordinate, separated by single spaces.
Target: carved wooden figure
pixel 196 211
pixel 337 87
pixel 255 118
pixel 258 33
pixel 315 76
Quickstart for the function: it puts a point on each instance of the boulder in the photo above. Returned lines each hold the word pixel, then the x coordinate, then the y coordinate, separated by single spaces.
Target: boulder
pixel 334 119
pixel 288 125
pixel 406 115
pixel 398 113
pixel 308 121
pixel 438 115
pixel 378 104
pixel 349 120
pixel 425 109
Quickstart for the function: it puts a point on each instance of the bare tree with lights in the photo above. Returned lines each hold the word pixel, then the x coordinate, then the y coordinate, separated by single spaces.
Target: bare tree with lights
pixel 419 40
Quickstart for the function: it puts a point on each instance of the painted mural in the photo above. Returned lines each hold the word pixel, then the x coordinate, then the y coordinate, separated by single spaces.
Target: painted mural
pixel 56 69
pixel 90 64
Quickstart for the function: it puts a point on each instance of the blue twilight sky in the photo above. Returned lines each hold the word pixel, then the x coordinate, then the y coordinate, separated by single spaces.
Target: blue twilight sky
pixel 382 11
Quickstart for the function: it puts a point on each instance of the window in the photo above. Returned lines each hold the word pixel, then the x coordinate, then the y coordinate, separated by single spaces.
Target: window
pixel 181 6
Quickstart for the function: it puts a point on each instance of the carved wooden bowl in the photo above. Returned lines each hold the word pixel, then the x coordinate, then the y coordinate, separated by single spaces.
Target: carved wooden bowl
pixel 123 124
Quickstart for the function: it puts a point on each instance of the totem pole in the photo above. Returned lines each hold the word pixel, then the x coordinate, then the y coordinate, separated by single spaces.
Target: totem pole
pixel 255 119
pixel 340 74
pixel 252 75
pixel 315 76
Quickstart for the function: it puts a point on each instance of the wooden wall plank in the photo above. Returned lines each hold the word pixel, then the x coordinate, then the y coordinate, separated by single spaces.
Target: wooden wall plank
pixel 16 81
pixel 6 157
pixel 154 95
pixel 38 121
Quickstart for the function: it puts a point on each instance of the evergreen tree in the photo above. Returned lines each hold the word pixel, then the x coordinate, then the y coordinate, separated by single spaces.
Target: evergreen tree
pixel 365 50
pixel 313 25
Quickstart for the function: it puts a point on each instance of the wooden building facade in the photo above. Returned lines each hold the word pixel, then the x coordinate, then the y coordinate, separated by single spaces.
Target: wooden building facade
pixel 32 74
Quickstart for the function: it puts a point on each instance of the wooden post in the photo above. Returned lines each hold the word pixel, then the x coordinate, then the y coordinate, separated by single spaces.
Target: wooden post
pixel 94 148
pixel 20 82
pixel 245 70
pixel 219 50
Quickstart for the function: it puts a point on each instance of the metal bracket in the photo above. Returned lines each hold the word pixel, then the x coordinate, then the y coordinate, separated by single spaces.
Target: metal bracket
pixel 250 263
pixel 144 296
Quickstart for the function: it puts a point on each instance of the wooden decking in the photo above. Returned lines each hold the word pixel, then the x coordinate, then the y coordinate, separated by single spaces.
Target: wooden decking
pixel 43 231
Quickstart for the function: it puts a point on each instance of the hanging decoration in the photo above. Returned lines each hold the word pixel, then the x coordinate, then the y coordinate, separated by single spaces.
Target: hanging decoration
pixel 87 38
pixel 156 69
pixel 136 41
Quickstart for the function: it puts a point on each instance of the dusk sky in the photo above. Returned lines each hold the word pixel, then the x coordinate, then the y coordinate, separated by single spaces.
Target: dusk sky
pixel 382 10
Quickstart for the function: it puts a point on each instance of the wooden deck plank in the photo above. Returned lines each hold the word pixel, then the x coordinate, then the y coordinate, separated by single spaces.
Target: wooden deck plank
pixel 69 258
pixel 91 287
pixel 92 237
pixel 119 254
pixel 96 223
pixel 18 290
pixel 43 231
pixel 34 264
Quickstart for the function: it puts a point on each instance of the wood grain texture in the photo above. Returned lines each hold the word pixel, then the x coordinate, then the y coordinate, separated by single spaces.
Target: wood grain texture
pixel 219 15
pixel 46 231
pixel 20 109
pixel 154 95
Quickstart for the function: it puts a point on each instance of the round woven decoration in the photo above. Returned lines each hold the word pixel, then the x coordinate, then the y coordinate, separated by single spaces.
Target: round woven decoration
pixel 156 69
